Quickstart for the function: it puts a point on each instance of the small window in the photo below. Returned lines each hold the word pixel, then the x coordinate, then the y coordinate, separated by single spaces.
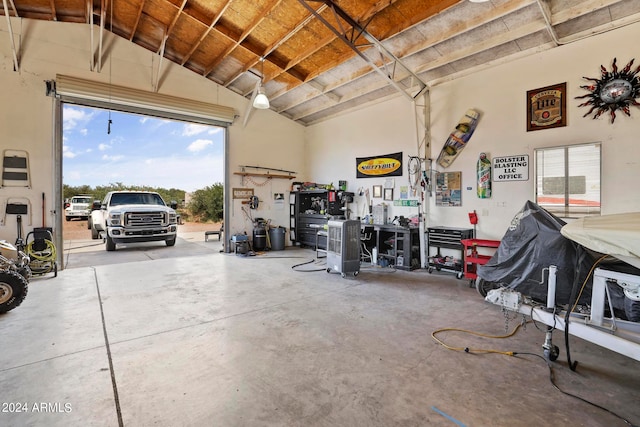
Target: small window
pixel 568 179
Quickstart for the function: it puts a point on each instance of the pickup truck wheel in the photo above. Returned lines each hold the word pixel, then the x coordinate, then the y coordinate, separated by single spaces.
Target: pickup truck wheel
pixel 94 233
pixel 68 218
pixel 171 242
pixel 110 245
pixel 88 224
pixel 13 290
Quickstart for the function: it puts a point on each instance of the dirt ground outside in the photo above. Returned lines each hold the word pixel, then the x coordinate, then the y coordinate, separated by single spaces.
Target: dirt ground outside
pixel 77 229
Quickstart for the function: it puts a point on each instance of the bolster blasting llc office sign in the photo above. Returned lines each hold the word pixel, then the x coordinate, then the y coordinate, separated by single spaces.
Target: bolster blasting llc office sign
pixel 379 166
pixel 511 168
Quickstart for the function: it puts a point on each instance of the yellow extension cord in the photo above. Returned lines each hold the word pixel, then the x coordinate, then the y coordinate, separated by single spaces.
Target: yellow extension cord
pixel 478 334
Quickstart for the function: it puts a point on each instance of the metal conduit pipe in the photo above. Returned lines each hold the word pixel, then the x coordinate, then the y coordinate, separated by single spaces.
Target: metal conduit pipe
pixel 547 19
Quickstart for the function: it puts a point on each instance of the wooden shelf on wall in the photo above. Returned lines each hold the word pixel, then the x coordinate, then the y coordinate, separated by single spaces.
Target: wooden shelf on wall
pixel 264 175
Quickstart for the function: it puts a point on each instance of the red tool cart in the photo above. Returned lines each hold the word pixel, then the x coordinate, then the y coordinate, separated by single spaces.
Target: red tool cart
pixel 472 259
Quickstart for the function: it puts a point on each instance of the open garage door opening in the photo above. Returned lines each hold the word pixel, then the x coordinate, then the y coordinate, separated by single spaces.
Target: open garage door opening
pixel 105 150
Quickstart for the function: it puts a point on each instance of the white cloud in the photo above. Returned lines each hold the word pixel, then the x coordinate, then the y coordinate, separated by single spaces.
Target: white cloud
pixel 74 117
pixel 199 145
pixel 214 130
pixel 111 158
pixel 103 147
pixel 191 129
pixel 66 152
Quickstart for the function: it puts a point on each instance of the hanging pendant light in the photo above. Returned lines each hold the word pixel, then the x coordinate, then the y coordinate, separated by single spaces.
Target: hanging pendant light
pixel 261 101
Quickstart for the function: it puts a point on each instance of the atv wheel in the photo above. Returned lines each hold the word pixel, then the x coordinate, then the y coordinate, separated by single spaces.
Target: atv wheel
pixel 13 290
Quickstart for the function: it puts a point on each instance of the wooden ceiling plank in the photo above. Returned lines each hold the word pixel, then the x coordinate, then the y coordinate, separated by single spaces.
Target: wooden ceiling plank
pixel 302 24
pixel 252 26
pixel 376 8
pixel 134 27
pixel 206 32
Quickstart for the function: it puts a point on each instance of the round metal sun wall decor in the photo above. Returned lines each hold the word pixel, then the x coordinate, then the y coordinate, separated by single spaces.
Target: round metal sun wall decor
pixel 614 90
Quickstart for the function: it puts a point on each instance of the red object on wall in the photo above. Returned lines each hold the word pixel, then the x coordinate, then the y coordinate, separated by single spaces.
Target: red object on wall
pixel 473 217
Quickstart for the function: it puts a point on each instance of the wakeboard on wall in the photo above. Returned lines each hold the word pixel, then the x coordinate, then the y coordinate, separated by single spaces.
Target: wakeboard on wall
pixel 458 139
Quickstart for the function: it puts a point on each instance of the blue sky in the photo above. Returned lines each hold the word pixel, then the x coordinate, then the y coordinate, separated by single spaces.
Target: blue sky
pixel 140 150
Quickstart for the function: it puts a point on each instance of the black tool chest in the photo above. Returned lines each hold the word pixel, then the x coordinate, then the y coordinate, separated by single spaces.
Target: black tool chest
pixel 449 238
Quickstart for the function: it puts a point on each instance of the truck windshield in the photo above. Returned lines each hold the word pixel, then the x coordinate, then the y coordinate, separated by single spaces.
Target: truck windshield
pixel 136 199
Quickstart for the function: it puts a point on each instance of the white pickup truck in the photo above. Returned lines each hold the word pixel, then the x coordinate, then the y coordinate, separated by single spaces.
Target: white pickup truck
pixel 133 216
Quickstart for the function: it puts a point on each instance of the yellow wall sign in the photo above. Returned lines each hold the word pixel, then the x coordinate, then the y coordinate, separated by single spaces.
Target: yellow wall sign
pixel 385 165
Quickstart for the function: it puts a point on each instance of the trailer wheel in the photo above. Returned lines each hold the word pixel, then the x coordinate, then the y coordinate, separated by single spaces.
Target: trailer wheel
pixel 483 287
pixel 551 354
pixel 13 290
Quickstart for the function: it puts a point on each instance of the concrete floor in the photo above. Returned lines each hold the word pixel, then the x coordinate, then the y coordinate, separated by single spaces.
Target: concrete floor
pixel 212 339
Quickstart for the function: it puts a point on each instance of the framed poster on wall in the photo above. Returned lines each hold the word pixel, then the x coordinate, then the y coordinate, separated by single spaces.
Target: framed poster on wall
pixel 547 107
pixel 449 189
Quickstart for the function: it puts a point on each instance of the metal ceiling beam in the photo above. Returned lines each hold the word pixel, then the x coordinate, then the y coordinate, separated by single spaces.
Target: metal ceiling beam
pixel 391 67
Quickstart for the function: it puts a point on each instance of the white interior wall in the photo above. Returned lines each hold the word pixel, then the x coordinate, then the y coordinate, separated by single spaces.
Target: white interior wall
pixel 26 113
pixel 499 93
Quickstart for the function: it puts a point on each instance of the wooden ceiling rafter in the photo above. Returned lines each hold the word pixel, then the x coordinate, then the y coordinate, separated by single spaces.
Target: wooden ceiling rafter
pixel 206 33
pixel 104 4
pixel 134 27
pixel 52 4
pixel 169 28
pixel 268 8
pixel 13 7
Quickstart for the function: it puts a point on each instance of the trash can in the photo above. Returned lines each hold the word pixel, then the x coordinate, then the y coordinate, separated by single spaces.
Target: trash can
pixel 276 235
pixel 259 236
